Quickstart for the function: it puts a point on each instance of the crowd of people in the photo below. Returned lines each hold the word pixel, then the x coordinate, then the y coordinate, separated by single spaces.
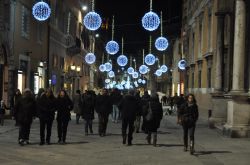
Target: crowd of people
pixel 135 112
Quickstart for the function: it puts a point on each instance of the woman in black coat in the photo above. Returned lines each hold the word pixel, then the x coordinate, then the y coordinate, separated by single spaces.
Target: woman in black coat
pixel 187 116
pixel 46 113
pixel 63 105
pixel 154 123
pixel 88 111
pixel 25 110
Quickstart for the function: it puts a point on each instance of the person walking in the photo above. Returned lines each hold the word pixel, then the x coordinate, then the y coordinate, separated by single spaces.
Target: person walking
pixel 63 105
pixel 144 101
pixel 25 110
pixel 103 108
pixel 129 108
pixel 116 99
pixel 187 116
pixel 46 112
pixel 2 112
pixel 153 120
pixel 14 101
pixel 88 111
pixel 139 112
pixel 77 100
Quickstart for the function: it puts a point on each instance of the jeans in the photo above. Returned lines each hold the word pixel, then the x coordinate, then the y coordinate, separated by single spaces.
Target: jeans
pixel 88 125
pixel 24 131
pixel 62 129
pixel 48 125
pixel 115 114
pixel 77 118
pixel 128 123
pixel 187 130
pixel 137 123
pixel 103 122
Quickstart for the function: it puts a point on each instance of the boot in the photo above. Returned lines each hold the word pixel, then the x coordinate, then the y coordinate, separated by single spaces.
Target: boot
pixel 149 138
pixel 191 147
pixel 154 139
pixel 124 138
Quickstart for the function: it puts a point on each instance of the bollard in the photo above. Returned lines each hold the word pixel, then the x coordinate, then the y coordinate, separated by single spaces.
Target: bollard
pixel 209 113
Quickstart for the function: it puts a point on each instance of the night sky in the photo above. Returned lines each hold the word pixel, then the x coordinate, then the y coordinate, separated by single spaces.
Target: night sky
pixel 128 14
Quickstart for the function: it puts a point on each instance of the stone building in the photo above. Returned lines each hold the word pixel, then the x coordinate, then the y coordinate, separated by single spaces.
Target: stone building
pixel 216 46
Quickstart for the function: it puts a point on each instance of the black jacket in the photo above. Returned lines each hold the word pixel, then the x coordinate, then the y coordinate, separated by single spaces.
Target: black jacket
pixel 129 107
pixel 63 107
pixel 103 104
pixel 46 107
pixel 188 114
pixel 116 97
pixel 25 109
pixel 88 107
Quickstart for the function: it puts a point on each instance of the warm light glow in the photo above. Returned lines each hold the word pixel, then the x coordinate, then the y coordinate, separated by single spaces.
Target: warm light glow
pixel 73 67
pixel 84 8
pixel 78 68
pixel 20 80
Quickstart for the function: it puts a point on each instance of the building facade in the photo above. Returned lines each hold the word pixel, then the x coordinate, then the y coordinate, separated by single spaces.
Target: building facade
pixel 215 45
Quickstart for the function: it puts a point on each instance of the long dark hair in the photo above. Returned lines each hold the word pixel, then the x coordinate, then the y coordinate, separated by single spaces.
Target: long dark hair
pixel 190 94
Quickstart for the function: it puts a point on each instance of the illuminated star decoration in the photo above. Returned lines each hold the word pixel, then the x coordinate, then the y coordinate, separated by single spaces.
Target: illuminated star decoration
pixel 150 21
pixel 90 58
pixel 135 75
pixel 111 74
pixel 150 59
pixel 92 21
pixel 130 70
pixel 41 11
pixel 182 64
pixel 143 69
pixel 161 43
pixel 164 68
pixel 108 66
pixel 102 68
pixel 122 60
pixel 112 47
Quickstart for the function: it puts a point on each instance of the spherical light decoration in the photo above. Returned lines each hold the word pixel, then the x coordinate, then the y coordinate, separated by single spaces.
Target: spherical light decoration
pixel 108 66
pixel 112 47
pixel 150 59
pixel 92 21
pixel 143 69
pixel 102 68
pixel 143 81
pixel 135 75
pixel 130 70
pixel 161 43
pixel 150 21
pixel 111 74
pixel 123 82
pixel 139 80
pixel 158 73
pixel 122 60
pixel 107 81
pixel 164 68
pixel 182 64
pixel 90 58
pixel 41 11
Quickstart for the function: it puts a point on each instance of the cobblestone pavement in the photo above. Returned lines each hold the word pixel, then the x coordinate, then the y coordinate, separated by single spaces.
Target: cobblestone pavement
pixel 211 147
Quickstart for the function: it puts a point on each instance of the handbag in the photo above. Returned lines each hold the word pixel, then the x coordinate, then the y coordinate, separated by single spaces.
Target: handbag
pixel 149 115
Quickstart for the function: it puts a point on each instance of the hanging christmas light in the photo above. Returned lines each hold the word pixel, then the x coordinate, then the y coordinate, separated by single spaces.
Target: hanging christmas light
pixel 122 60
pixel 130 70
pixel 102 68
pixel 41 11
pixel 182 64
pixel 158 72
pixel 112 47
pixel 111 74
pixel 135 75
pixel 143 81
pixel 92 20
pixel 90 58
pixel 108 66
pixel 139 80
pixel 164 68
pixel 107 81
pixel 143 69
pixel 161 43
pixel 150 58
pixel 150 21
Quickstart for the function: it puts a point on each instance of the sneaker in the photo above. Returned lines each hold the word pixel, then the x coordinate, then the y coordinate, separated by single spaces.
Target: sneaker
pixel 27 142
pixel 21 142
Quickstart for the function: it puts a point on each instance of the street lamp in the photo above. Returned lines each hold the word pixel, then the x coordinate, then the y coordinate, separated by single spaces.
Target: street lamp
pixel 78 68
pixel 73 67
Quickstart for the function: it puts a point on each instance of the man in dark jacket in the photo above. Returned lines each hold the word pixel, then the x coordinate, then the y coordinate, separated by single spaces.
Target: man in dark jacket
pixel 25 110
pixel 144 102
pixel 129 108
pixel 103 108
pixel 116 98
pixel 46 108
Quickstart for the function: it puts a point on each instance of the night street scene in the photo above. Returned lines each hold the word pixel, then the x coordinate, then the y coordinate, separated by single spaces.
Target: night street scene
pixel 124 82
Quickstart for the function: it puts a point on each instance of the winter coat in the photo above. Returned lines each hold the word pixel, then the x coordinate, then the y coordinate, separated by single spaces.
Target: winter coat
pixel 46 107
pixel 116 97
pixel 157 114
pixel 77 104
pixel 64 106
pixel 129 107
pixel 88 107
pixel 188 114
pixel 25 109
pixel 103 105
pixel 144 102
